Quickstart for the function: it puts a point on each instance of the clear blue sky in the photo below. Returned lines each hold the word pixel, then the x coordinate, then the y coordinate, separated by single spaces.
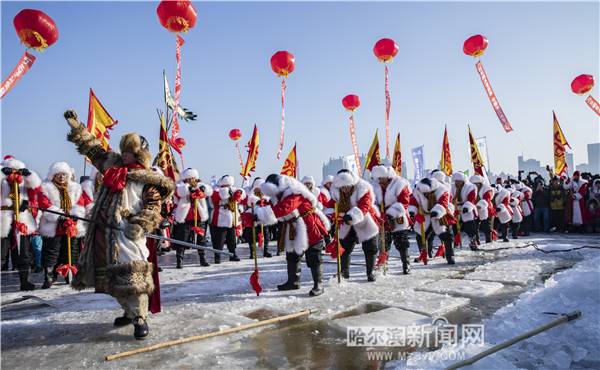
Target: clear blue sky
pixel 120 49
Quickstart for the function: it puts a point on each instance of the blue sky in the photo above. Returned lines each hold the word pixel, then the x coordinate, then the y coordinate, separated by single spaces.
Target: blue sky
pixel 119 49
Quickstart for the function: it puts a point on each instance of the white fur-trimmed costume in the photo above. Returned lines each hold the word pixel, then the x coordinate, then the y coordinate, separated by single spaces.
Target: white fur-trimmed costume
pixel 503 209
pixel 222 200
pixel 441 206
pixel 466 200
pixel 184 203
pixel 397 196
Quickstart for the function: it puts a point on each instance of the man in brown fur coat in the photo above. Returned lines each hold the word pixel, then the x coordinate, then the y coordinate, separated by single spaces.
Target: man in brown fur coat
pixel 128 202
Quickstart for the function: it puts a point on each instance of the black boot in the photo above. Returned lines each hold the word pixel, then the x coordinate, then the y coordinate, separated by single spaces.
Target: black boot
pixel 405 260
pixel 345 265
pixel 447 240
pixel 203 261
pixel 122 321
pixel 317 275
pixel 179 256
pixel 140 328
pixel 47 279
pixel 473 244
pixel 234 258
pixel 266 253
pixel 293 270
pixel 25 283
pixel 370 262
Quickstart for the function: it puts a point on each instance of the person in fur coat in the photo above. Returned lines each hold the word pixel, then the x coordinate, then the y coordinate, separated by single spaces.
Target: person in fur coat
pixel 255 198
pixel 464 197
pixel 191 213
pixel 358 220
pixel 60 194
pixel 226 222
pixel 127 205
pixel 303 227
pixel 392 194
pixel 18 219
pixel 431 208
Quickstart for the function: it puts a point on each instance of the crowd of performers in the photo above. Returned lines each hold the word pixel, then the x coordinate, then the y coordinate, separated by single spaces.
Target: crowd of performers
pixel 126 199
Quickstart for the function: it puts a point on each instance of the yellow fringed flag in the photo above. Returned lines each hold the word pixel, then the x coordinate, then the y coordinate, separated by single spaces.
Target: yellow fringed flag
pixel 446 160
pixel 99 121
pixel 252 154
pixel 560 142
pixel 290 166
pixel 476 159
pixel 164 159
pixel 373 159
pixel 397 157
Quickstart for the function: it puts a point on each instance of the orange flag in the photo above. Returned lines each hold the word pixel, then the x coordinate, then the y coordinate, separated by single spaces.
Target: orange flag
pixel 290 166
pixel 164 159
pixel 476 156
pixel 560 142
pixel 99 121
pixel 446 160
pixel 252 154
pixel 373 158
pixel 397 157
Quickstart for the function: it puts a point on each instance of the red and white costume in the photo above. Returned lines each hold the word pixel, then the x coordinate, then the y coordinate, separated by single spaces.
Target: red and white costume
pixel 395 197
pixel 466 200
pixel 503 209
pixel 310 184
pixel 516 197
pixel 577 200
pixel 184 198
pixel 224 196
pixel 442 206
pixel 251 201
pixel 485 198
pixel 526 203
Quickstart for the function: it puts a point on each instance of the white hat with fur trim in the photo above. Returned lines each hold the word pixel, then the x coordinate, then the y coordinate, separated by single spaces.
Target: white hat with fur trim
pixel 380 171
pixel 327 179
pixel 308 180
pixel 428 185
pixel 476 179
pixel 345 178
pixel 12 162
pixel 226 180
pixel 438 175
pixel 190 173
pixel 459 176
pixel 59 167
pixel 257 183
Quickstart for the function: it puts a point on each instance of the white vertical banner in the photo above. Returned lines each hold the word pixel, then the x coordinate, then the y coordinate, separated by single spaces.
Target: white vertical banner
pixel 418 163
pixel 483 150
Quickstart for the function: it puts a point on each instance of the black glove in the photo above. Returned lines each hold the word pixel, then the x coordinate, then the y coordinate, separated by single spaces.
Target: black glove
pixel 24 206
pixel 164 224
pixel 61 219
pixel 434 214
pixel 327 239
pixel 347 219
pixel 411 214
pixel 498 209
pixel 465 210
pixel 7 170
pixel 25 172
pixel 203 188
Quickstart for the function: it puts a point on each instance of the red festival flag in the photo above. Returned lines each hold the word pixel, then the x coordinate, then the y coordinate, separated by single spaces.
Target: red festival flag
pixel 290 166
pixel 252 154
pixel 446 160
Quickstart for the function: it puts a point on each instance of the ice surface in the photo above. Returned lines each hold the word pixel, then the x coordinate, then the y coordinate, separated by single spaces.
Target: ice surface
pixel 462 288
pixel 388 317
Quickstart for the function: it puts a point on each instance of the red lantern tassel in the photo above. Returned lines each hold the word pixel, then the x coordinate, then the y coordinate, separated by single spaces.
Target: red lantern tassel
pixel 237 146
pixel 282 130
pixel 593 103
pixel 354 144
pixel 490 93
pixel 21 68
pixel 255 283
pixel 388 104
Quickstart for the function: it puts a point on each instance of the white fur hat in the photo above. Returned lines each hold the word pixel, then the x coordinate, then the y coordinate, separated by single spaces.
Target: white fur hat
pixel 476 179
pixel 190 173
pixel 382 171
pixel 59 167
pixel 257 183
pixel 518 186
pixel 438 175
pixel 226 180
pixel 327 179
pixel 459 176
pixel 345 178
pixel 308 180
pixel 428 185
pixel 13 163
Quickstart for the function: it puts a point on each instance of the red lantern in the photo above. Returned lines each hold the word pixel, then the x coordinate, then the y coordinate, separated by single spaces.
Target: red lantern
pixel 35 29
pixel 582 84
pixel 177 16
pixel 180 142
pixel 235 134
pixel 351 102
pixel 385 50
pixel 475 45
pixel 283 63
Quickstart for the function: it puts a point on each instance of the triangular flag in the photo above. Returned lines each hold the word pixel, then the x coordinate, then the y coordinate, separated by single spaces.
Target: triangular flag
pixel 252 153
pixel 476 159
pixel 397 156
pixel 99 120
pixel 290 166
pixel 446 160
pixel 373 159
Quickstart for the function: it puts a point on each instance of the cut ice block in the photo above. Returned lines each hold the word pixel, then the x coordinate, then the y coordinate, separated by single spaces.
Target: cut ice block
pixel 462 288
pixel 388 317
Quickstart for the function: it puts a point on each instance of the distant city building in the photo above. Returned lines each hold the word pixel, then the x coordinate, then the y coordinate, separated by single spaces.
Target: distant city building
pixel 531 165
pixel 570 166
pixel 348 162
pixel 593 164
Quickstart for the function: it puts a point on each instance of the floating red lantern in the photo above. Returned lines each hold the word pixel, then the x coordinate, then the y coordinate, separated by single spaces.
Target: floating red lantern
pixel 235 134
pixel 582 84
pixel 283 63
pixel 385 50
pixel 475 45
pixel 177 16
pixel 351 102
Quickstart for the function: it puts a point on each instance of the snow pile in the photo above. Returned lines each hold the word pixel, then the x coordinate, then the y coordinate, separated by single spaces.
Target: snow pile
pixel 570 345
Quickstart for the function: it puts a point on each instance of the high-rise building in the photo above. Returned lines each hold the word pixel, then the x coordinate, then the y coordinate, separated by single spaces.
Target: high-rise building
pixel 593 164
pixel 346 162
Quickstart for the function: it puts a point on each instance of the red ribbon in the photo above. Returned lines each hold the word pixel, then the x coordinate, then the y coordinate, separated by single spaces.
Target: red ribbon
pixel 14 177
pixel 198 230
pixel 332 249
pixel 255 283
pixel 382 258
pixel 70 227
pixel 21 68
pixel 261 239
pixel 115 178
pixel 388 104
pixel 198 194
pixel 239 153
pixel 441 251
pixel 21 227
pixel 354 144
pixel 175 127
pixel 282 130
pixel 420 218
pixel 63 270
pixel 593 103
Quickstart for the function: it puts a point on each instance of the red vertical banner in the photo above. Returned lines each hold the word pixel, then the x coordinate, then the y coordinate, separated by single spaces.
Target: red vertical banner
pixel 17 73
pixel 282 129
pixel 355 145
pixel 388 104
pixel 175 127
pixel 490 93
pixel 593 103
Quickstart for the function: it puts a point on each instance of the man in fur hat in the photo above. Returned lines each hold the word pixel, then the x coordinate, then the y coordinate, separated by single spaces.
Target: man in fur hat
pixel 191 213
pixel 226 222
pixel 486 211
pixel 61 194
pixel 392 197
pixel 303 227
pixel 430 207
pixel 19 191
pixel 127 205
pixel 358 221
pixel 254 199
pixel 464 198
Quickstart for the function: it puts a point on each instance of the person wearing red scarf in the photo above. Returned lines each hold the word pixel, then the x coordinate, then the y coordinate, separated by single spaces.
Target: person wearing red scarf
pixel 126 206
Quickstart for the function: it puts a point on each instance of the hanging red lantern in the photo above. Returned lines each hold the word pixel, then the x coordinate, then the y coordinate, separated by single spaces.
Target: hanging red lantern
pixel 475 45
pixel 283 63
pixel 177 16
pixel 351 102
pixel 385 50
pixel 582 84
pixel 235 134
pixel 35 29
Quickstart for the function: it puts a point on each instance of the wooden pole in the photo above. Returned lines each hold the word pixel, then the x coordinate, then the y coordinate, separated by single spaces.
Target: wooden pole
pixel 337 244
pixel 175 342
